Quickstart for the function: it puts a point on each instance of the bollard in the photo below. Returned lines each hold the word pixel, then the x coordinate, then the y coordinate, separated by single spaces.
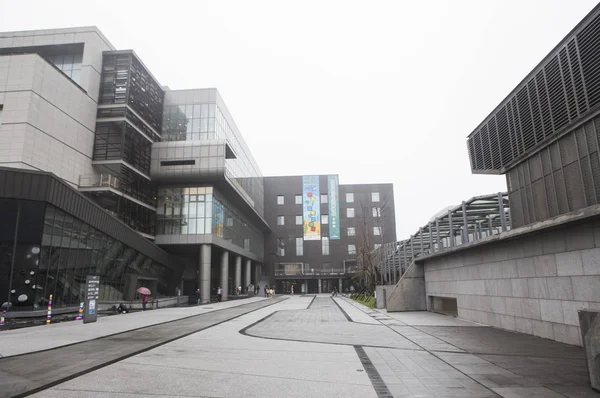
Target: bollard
pixel 49 316
pixel 2 318
pixel 80 315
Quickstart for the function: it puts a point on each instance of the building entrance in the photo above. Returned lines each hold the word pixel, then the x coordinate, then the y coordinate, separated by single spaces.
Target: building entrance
pixel 327 285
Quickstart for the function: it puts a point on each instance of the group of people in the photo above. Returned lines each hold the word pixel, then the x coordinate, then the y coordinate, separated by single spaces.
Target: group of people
pixel 269 291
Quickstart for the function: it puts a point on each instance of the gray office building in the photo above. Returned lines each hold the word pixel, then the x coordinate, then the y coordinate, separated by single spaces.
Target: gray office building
pixel 105 171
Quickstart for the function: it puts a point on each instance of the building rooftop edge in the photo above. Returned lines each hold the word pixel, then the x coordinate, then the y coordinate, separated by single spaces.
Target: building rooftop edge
pixel 76 29
pixel 590 15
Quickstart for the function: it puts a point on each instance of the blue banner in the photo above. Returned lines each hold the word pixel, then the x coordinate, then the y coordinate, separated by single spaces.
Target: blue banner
pixel 334 207
pixel 311 208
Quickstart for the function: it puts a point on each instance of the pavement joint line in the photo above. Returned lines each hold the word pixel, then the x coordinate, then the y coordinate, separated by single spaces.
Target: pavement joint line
pixel 381 389
pixel 341 309
pixel 246 374
pixel 112 361
pixel 124 331
pixel 145 394
pixel 436 356
pixel 350 319
pixel 312 301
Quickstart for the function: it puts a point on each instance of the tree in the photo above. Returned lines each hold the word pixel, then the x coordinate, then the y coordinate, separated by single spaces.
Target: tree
pixel 369 246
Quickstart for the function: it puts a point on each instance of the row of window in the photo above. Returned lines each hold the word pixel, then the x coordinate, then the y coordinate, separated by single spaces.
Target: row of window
pixel 325 217
pixel 351 231
pixel 324 247
pixel 349 198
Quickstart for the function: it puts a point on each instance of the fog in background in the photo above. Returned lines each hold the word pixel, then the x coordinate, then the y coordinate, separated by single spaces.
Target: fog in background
pixel 378 91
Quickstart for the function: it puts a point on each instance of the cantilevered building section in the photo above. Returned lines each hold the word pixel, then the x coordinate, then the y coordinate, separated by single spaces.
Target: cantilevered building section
pixel 545 135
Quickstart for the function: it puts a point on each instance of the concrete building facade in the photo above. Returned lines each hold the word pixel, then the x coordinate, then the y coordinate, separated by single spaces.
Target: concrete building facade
pixel 156 187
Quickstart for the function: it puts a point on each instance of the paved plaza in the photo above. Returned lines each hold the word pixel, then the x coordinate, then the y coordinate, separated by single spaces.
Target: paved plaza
pixel 301 346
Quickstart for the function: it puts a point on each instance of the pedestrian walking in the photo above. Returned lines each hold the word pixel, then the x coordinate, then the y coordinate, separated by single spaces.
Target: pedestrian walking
pixel 144 301
pixel 292 290
pixel 271 292
pixel 219 294
pixel 266 290
pixel 257 290
pixel 198 298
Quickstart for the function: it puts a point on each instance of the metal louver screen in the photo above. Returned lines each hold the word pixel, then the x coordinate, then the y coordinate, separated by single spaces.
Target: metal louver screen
pixel 556 94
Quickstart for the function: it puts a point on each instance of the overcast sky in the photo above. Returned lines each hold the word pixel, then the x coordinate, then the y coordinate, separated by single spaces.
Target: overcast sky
pixel 375 91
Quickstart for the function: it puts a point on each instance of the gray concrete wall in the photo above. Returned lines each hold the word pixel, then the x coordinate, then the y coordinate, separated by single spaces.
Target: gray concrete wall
pixel 409 294
pixel 381 301
pixel 533 284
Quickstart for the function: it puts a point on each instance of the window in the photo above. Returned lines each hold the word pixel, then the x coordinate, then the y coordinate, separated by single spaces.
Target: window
pixel 326 267
pixel 376 231
pixel 246 244
pixel 350 212
pixel 324 219
pixel 376 212
pixel 351 231
pixel 374 196
pixel 298 220
pixel 299 246
pixel 280 247
pixel 377 246
pixel 349 198
pixel 229 221
pixel 298 199
pixel 352 250
pixel 323 198
pixel 280 220
pixel 280 200
pixel 325 246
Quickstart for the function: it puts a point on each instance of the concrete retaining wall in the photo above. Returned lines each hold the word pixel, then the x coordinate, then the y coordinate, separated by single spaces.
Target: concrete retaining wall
pixel 379 295
pixel 409 294
pixel 534 284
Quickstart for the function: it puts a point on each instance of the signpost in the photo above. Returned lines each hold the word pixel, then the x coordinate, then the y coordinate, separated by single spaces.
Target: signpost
pixel 92 290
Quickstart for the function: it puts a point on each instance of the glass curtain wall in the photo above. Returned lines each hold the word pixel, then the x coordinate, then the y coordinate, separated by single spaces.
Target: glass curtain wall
pixel 203 210
pixel 54 254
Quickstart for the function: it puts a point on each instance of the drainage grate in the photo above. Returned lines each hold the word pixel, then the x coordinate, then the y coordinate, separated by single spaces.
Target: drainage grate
pixel 378 384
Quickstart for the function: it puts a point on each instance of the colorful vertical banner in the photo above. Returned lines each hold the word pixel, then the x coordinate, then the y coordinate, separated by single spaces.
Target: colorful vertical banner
pixel 311 208
pixel 334 207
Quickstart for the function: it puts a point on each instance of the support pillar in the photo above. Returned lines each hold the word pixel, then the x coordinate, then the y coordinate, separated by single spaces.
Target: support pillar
pixel 238 271
pixel 501 211
pixel 340 285
pixel 225 274
pixel 248 274
pixel 204 274
pixel 320 285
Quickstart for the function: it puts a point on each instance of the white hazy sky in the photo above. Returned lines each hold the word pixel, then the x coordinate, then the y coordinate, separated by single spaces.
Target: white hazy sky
pixel 375 91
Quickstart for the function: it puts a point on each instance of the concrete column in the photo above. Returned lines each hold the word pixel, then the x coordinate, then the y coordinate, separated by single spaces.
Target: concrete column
pixel 238 271
pixel 204 268
pixel 225 274
pixel 320 286
pixel 340 285
pixel 248 273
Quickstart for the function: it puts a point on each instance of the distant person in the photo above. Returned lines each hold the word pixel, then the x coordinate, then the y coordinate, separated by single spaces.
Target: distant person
pixel 271 292
pixel 257 290
pixel 198 297
pixel 144 301
pixel 351 288
pixel 334 292
pixel 219 294
pixel 292 290
pixel 266 291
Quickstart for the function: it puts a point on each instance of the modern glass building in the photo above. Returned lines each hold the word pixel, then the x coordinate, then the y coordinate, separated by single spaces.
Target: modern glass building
pixel 140 184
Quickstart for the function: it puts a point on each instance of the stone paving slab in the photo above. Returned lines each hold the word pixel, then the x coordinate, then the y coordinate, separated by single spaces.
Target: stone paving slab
pixel 25 373
pixel 355 313
pixel 324 322
pixel 489 340
pixel 60 334
pixel 221 362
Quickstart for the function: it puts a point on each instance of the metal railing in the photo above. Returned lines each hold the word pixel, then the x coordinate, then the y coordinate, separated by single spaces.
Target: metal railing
pixel 472 220
pixel 98 180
